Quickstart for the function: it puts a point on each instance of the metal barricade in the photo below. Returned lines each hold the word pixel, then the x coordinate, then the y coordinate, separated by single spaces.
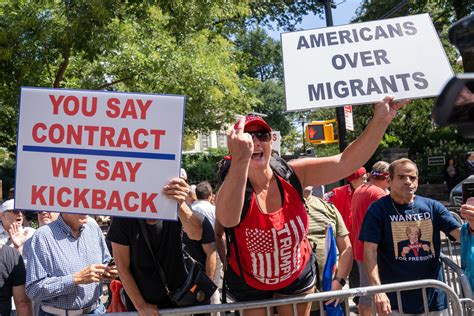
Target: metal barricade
pixel 458 281
pixel 455 307
pixel 456 278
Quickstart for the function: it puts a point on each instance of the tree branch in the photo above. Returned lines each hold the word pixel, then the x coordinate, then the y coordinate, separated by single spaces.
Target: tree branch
pixel 109 84
pixel 62 69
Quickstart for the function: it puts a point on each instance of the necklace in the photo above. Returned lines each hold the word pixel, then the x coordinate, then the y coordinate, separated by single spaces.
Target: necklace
pixel 395 207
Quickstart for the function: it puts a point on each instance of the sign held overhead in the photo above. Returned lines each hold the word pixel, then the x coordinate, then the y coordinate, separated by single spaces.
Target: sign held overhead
pixel 361 63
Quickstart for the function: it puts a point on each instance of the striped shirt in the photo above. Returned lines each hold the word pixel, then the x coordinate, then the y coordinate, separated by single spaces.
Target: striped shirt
pixel 56 257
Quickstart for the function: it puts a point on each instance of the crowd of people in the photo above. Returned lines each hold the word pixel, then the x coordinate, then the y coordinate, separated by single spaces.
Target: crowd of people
pixel 262 236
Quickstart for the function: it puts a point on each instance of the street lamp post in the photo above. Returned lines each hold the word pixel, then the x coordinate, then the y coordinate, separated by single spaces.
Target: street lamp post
pixel 302 134
pixel 341 120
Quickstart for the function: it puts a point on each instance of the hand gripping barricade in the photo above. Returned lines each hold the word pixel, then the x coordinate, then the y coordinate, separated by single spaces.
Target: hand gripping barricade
pixel 455 307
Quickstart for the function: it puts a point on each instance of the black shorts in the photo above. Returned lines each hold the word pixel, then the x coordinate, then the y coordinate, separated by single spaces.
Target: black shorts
pixel 242 292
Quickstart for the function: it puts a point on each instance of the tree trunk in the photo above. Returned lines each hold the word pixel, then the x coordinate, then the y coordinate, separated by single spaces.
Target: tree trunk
pixel 461 7
pixel 62 69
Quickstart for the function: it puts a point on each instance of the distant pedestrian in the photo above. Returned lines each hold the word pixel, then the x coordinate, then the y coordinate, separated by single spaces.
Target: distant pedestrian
pixel 45 218
pixel 363 197
pixel 12 232
pixel 469 164
pixel 341 197
pixel 451 174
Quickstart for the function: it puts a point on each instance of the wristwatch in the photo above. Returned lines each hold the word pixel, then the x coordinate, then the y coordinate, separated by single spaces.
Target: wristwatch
pixel 341 281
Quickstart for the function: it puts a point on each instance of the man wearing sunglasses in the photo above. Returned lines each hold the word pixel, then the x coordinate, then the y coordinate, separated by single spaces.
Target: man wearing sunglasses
pixel 12 232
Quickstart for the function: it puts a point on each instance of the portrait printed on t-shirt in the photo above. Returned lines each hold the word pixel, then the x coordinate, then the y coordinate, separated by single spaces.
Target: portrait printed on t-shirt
pixel 413 240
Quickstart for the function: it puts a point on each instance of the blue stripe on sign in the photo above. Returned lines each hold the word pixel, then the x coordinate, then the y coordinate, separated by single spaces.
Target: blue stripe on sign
pixel 97 152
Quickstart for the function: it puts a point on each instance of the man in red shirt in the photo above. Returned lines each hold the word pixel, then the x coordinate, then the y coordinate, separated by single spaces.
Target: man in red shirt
pixel 341 196
pixel 365 195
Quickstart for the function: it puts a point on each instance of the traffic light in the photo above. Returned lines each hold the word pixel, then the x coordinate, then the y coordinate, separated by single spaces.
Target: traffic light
pixel 321 132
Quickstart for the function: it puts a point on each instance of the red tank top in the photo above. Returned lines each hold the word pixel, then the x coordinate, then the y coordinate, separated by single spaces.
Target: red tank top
pixel 273 248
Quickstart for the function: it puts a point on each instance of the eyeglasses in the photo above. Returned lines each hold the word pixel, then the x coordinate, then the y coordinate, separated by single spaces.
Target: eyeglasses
pixel 261 136
pixel 14 212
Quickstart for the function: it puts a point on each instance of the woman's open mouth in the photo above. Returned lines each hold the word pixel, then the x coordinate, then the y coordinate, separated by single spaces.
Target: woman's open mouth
pixel 257 155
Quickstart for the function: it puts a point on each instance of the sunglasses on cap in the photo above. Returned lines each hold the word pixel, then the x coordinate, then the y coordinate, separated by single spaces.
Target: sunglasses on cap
pixel 261 136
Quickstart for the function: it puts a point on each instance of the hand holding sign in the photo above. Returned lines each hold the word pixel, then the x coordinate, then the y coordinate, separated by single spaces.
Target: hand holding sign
pixel 177 189
pixel 387 109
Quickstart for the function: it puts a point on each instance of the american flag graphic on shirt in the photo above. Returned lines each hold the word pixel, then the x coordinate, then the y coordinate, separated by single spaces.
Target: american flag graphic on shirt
pixel 275 254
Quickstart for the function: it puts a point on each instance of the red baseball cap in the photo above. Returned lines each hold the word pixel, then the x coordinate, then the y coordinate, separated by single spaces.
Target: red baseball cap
pixel 359 173
pixel 254 120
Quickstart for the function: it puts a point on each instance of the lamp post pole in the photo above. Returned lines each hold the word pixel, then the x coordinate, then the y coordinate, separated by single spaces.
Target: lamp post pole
pixel 341 120
pixel 302 133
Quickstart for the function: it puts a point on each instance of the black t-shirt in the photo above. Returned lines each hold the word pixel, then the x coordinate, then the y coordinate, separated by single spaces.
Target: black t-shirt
pixel 12 273
pixel 166 242
pixel 194 247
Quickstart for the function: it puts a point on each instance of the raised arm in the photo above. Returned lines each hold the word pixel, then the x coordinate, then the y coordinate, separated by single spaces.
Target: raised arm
pixel 318 171
pixel 230 198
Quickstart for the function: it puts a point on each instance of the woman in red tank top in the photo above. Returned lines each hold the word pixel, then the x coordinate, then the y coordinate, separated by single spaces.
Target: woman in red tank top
pixel 273 251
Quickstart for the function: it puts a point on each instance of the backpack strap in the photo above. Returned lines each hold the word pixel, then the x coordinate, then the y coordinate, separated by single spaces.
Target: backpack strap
pixel 283 169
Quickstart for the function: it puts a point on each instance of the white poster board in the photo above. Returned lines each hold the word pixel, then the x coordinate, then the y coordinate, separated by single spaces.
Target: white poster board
pixel 348 117
pixel 98 153
pixel 276 141
pixel 361 63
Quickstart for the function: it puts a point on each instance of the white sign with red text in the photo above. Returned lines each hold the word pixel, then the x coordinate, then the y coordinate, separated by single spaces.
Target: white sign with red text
pixel 98 153
pixel 348 117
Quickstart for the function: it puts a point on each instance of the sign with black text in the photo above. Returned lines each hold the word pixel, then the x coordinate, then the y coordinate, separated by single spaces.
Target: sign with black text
pixel 361 63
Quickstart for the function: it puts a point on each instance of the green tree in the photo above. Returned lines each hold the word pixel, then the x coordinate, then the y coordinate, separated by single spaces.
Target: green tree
pixel 442 12
pixel 260 55
pixel 261 62
pixel 126 46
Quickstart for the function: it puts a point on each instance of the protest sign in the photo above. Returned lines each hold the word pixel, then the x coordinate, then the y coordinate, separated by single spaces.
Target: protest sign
pixel 348 117
pixel 361 63
pixel 98 153
pixel 276 142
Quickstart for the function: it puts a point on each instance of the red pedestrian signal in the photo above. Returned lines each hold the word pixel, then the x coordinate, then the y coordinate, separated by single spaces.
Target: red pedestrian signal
pixel 321 132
